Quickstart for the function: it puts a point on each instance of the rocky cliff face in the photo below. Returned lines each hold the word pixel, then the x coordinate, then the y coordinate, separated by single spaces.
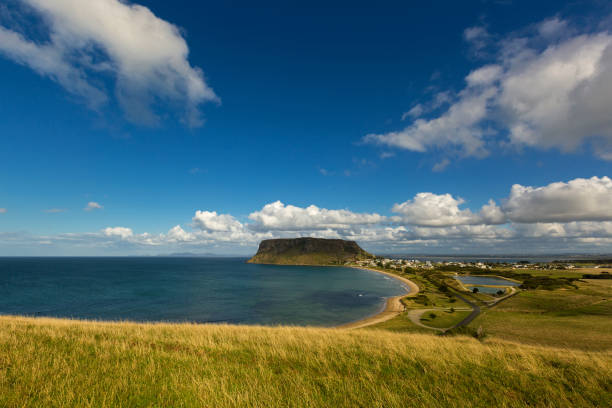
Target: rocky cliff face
pixel 308 251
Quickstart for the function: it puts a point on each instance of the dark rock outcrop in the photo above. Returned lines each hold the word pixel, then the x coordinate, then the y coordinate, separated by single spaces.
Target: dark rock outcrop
pixel 308 251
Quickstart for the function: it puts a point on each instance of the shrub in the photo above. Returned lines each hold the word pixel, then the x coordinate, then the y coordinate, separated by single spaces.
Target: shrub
pixel 603 275
pixel 544 282
pixel 466 331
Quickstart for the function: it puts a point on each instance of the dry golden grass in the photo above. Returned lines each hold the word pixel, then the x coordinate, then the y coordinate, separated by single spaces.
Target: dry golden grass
pixel 63 363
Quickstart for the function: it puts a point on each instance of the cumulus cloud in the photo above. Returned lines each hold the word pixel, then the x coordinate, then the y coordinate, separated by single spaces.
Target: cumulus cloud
pixel 573 215
pixel 490 213
pixel 457 127
pixel 577 200
pixel 211 221
pixel 552 96
pixel 92 205
pixel 178 234
pixel 122 232
pixel 441 210
pixel 278 216
pixel 145 55
pixel 561 97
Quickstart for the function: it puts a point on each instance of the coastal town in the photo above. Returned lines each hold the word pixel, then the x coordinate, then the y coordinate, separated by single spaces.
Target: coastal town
pixel 401 263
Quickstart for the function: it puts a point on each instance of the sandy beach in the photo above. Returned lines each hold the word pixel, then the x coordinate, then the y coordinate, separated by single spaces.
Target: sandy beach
pixel 392 308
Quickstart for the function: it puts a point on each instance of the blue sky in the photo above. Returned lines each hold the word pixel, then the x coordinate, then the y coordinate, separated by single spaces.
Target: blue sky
pixel 153 111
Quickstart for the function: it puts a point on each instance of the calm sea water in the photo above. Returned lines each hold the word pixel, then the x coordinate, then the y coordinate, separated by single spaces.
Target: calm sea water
pixel 190 289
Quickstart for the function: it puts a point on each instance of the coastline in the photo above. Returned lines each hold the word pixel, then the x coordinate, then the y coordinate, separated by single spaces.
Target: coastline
pixel 393 305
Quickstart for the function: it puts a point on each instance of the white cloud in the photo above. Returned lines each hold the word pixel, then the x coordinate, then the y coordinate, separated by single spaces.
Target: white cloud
pixel 122 232
pixel 490 213
pixel 457 127
pixel 564 216
pixel 577 200
pixel 484 75
pixel 278 216
pixel 552 27
pixel 556 96
pixel 146 56
pixel 478 38
pixel 92 205
pixel 416 111
pixel 441 165
pixel 47 60
pixel 178 234
pixel 463 231
pixel 441 210
pixel 211 221
pixel 562 96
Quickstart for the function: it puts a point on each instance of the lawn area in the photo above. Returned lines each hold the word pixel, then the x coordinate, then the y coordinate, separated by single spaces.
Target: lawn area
pixel 444 318
pixel 578 318
pixel 431 297
pixel 559 273
pixel 61 363
pixel 400 324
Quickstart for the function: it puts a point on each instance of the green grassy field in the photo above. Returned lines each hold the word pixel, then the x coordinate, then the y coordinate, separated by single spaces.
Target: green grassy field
pixel 45 362
pixel 400 324
pixel 574 316
pixel 578 318
pixel 443 318
pixel 541 348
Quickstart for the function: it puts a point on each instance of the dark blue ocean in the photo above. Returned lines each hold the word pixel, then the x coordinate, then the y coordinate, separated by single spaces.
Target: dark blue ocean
pixel 198 290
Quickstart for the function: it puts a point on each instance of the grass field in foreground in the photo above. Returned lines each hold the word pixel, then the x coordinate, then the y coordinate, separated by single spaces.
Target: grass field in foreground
pixel 443 318
pixel 45 362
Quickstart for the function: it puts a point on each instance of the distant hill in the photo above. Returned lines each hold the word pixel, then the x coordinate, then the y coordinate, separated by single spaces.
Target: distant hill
pixel 308 251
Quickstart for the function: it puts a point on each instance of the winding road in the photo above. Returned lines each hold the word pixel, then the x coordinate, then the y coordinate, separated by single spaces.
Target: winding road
pixel 471 316
pixel 395 307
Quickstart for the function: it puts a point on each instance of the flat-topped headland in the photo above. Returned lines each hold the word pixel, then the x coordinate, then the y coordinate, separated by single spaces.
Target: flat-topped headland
pixel 308 251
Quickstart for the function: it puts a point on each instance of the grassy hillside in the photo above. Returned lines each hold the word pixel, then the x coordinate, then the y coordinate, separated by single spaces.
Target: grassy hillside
pixel 578 317
pixel 45 362
pixel 575 314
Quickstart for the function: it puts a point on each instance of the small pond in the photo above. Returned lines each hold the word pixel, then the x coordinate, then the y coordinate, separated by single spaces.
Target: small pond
pixel 485 280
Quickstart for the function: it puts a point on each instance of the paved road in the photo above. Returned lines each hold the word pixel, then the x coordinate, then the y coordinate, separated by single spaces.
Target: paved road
pixel 415 315
pixel 471 316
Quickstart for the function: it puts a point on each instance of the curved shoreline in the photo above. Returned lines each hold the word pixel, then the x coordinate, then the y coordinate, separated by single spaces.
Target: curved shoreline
pixel 393 305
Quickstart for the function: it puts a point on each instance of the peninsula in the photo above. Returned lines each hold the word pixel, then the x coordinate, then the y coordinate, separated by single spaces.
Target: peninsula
pixel 308 251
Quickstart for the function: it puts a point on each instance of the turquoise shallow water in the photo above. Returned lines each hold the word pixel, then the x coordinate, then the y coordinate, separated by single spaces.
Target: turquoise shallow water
pixel 190 289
